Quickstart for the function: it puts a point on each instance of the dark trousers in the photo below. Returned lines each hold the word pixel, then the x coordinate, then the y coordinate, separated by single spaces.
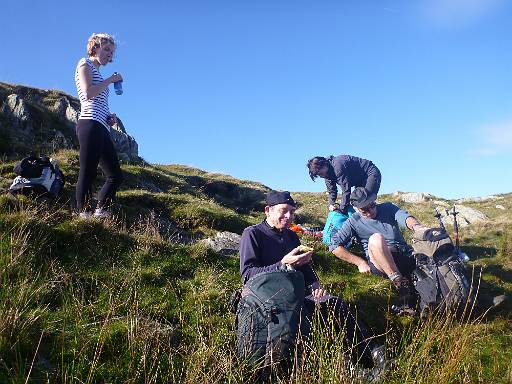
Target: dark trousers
pixel 337 312
pixel 96 148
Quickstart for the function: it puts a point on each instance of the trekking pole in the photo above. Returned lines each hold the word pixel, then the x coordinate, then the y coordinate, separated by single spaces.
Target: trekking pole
pixel 459 253
pixel 438 216
pixel 454 213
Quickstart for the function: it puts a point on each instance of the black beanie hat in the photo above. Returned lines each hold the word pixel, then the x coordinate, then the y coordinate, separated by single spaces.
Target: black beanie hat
pixel 277 197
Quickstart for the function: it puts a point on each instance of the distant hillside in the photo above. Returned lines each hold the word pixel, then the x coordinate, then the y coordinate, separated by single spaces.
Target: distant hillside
pixel 472 212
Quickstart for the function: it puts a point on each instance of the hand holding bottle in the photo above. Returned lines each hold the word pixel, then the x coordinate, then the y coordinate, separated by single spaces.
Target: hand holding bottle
pixel 117 79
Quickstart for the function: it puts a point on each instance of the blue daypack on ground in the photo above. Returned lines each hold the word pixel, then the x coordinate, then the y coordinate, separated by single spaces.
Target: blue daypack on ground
pixel 335 220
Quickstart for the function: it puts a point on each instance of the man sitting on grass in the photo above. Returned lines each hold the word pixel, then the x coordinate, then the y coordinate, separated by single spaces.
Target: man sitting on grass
pixel 271 246
pixel 377 227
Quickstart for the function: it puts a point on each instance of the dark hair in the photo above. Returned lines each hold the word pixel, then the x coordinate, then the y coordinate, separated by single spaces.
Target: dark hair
pixel 315 164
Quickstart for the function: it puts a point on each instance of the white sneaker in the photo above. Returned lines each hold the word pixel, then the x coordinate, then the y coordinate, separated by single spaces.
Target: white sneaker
pixel 85 215
pixel 101 213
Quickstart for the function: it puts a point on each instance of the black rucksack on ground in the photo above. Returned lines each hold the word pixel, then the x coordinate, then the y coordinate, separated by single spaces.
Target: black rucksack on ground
pixel 440 277
pixel 269 318
pixel 32 166
pixel 37 176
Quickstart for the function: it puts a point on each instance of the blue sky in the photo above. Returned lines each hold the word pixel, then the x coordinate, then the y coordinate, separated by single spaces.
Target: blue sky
pixel 254 88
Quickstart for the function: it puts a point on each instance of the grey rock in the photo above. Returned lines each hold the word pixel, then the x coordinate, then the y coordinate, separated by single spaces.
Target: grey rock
pixel 54 127
pixel 226 243
pixel 59 107
pixel 19 125
pixel 465 217
pixel 17 107
pixel 65 110
pixel 499 206
pixel 126 146
pixel 413 197
pixel 478 199
pixel 72 114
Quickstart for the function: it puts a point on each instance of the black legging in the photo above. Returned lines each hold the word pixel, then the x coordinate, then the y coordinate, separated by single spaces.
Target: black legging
pixel 357 333
pixel 96 147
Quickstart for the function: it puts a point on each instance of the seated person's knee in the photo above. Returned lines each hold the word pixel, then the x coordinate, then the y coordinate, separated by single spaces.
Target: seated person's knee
pixel 376 241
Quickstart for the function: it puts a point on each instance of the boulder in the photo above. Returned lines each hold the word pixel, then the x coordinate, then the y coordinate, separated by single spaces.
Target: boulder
pixel 126 146
pixel 225 243
pixel 413 197
pixel 465 217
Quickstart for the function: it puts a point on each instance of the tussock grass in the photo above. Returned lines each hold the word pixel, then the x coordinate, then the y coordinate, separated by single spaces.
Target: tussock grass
pixel 133 300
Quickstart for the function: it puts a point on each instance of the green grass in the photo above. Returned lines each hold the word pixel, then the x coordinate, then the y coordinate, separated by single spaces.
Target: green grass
pixel 133 300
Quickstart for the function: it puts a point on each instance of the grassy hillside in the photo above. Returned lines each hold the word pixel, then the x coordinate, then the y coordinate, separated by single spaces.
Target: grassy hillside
pixel 136 299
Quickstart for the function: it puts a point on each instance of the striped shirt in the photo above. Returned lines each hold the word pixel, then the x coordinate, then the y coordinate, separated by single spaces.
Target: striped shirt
pixel 97 107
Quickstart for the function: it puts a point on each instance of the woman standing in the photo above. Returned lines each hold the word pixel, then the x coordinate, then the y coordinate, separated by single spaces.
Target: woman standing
pixel 93 128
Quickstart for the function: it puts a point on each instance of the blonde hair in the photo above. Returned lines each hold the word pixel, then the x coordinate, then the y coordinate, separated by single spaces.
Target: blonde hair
pixel 97 40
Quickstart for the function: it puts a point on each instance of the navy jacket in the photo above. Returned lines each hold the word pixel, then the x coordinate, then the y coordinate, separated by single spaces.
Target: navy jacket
pixel 262 247
pixel 347 171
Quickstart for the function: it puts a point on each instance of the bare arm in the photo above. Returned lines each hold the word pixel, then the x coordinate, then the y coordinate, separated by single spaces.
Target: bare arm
pixel 342 254
pixel 85 82
pixel 413 223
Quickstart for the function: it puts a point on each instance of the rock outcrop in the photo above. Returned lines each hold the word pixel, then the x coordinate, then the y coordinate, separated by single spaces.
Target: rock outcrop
pixel 465 216
pixel 126 146
pixel 479 199
pixel 42 121
pixel 413 197
pixel 225 243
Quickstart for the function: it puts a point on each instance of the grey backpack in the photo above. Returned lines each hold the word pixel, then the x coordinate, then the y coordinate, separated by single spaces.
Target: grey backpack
pixel 440 277
pixel 269 318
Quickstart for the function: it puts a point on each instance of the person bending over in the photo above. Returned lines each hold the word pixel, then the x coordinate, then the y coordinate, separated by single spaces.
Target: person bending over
pixel 346 171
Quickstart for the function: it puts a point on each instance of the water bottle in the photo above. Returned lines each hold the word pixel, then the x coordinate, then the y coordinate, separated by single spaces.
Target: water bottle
pixel 118 86
pixel 463 257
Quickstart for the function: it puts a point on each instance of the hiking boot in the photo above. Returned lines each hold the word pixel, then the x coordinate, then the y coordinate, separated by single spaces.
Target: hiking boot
pixel 404 288
pixel 379 357
pixel 84 215
pixel 381 364
pixel 101 213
